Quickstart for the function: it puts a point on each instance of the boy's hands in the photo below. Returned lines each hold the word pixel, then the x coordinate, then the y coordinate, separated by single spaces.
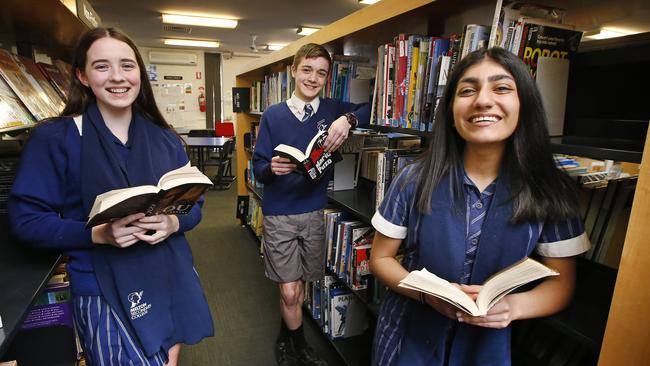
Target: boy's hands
pixel 281 166
pixel 337 134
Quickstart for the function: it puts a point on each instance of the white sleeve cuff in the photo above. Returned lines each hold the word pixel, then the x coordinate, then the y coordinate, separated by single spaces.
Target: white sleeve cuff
pixel 564 248
pixel 388 228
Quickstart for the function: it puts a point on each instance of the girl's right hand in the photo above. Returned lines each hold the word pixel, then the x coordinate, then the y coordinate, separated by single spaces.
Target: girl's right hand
pixel 281 166
pixel 118 233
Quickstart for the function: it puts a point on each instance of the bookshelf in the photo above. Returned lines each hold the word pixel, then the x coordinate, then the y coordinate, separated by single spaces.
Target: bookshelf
pixel 607 315
pixel 48 27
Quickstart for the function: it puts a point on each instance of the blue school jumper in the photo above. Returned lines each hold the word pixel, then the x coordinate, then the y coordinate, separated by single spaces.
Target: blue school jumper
pixel 49 205
pixel 293 194
pixel 446 243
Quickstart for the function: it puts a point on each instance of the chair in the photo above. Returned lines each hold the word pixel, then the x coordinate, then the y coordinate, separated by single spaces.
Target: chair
pixel 202 133
pixel 223 161
pixel 225 129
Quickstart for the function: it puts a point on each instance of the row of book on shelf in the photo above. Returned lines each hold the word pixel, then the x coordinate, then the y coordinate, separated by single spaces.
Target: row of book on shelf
pixel 30 91
pixel 412 70
pixel 350 80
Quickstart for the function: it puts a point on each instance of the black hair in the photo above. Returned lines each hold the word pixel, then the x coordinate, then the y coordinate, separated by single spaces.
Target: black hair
pixel 540 190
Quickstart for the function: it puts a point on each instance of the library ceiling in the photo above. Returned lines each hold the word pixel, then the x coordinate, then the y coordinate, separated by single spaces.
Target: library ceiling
pixel 267 22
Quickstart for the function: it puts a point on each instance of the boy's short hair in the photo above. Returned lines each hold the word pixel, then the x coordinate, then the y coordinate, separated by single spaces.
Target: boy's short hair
pixel 311 50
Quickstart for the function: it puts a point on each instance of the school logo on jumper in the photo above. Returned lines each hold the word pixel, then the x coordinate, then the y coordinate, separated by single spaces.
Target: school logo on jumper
pixel 321 125
pixel 137 310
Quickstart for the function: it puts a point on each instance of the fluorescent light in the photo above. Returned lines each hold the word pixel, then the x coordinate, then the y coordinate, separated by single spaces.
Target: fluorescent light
pixel 305 31
pixel 191 43
pixel 201 21
pixel 275 46
pixel 368 2
pixel 605 33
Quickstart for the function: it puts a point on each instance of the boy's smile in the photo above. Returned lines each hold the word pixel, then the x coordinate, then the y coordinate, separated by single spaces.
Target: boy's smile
pixel 310 76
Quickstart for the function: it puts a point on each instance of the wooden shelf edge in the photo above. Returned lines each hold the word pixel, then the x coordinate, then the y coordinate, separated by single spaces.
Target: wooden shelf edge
pixel 354 22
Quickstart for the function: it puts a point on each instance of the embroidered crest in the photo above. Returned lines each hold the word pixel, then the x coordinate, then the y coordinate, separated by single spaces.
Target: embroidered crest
pixel 137 310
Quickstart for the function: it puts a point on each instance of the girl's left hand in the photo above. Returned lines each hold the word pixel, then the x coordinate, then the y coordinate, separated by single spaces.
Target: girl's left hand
pixel 499 316
pixel 163 225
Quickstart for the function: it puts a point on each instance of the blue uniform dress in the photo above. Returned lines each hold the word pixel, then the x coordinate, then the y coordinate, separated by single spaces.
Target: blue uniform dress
pixel 464 244
pixel 47 210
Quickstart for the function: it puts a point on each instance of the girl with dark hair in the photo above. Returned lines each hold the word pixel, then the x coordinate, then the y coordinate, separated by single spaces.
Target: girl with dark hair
pixel 484 195
pixel 135 292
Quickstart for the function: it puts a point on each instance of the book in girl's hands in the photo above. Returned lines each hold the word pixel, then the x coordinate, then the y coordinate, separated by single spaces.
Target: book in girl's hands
pixel 314 162
pixel 494 288
pixel 177 191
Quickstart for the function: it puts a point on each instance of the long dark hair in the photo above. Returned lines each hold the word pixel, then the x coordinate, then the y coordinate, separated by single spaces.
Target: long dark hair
pixel 540 191
pixel 80 96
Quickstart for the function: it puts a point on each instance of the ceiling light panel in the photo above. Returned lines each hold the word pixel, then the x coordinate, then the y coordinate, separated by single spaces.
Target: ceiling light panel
pixel 191 43
pixel 199 21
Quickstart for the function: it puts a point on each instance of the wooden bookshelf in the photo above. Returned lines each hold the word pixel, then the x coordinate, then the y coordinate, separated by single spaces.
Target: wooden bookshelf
pixel 627 321
pixel 43 26
pixel 46 25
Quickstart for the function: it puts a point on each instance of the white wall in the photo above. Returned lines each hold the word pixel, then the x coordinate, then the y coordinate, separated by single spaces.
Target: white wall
pixel 172 95
pixel 230 67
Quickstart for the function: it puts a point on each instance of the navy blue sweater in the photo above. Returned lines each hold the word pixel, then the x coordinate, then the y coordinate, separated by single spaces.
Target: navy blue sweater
pixel 45 207
pixel 294 193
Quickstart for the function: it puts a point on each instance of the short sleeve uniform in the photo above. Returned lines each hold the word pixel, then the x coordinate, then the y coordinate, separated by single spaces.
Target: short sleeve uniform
pixel 410 333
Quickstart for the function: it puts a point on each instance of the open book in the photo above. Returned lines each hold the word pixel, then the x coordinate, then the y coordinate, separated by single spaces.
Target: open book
pixel 494 288
pixel 314 161
pixel 177 191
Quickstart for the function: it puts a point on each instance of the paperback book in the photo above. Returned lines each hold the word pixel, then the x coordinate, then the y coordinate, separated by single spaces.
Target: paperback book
pixel 314 162
pixel 175 194
pixel 494 288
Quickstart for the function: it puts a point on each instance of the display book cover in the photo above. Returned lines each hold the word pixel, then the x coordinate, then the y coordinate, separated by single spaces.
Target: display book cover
pixel 493 289
pixel 175 194
pixel 314 162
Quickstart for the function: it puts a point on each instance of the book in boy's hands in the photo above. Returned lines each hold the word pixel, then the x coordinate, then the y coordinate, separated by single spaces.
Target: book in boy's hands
pixel 177 191
pixel 494 288
pixel 314 162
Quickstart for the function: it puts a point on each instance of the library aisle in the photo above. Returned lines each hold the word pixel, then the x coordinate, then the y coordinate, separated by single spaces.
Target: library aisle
pixel 244 304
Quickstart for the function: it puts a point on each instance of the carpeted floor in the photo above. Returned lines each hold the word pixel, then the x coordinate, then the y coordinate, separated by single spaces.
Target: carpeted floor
pixel 244 304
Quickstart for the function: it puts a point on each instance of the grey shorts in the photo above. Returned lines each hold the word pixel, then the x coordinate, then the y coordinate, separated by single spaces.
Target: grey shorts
pixel 294 247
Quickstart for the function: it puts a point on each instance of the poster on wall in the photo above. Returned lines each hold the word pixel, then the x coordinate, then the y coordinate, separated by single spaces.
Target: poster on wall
pixel 152 72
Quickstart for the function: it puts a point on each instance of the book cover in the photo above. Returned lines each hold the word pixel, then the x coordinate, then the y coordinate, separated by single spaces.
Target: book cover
pixel 548 41
pixel 493 289
pixel 45 89
pixel 314 162
pixel 25 87
pixel 59 80
pixel 176 193
pixel 12 112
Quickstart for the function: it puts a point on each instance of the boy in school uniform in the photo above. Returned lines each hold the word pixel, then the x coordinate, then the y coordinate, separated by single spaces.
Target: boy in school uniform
pixel 294 245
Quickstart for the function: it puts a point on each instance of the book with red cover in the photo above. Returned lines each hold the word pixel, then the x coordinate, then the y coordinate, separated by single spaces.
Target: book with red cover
pixel 314 162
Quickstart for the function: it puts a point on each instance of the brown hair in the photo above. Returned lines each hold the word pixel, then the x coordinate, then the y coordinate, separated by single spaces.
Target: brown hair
pixel 311 50
pixel 80 96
